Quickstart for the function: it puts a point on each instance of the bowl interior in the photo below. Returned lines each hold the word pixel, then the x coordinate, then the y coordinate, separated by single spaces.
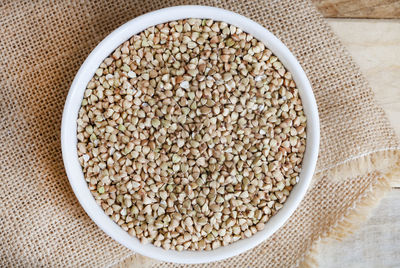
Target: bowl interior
pixel 73 103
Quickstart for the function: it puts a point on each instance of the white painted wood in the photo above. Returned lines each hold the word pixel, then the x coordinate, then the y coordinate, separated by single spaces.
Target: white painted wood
pixel 375 244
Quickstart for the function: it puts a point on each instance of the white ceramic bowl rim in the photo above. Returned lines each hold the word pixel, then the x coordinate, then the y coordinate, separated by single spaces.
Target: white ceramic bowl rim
pixel 86 72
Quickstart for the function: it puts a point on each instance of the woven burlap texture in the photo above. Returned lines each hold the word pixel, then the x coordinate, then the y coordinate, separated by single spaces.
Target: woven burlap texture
pixel 42 46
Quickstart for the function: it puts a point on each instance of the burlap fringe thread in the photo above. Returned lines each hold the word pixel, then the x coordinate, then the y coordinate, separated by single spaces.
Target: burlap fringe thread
pixel 385 162
pixel 135 261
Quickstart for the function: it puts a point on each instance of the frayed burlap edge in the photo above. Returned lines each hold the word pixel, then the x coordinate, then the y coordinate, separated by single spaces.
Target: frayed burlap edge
pixel 135 261
pixel 381 161
pixel 387 163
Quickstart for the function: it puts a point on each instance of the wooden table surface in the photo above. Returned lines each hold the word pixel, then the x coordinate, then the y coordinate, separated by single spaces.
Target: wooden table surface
pixel 375 46
pixel 378 9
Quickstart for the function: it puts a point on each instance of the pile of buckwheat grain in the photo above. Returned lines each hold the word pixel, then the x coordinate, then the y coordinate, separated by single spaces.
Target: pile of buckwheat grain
pixel 191 135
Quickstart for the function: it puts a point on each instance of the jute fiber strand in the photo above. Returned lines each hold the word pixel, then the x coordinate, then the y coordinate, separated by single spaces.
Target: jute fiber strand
pixel 42 45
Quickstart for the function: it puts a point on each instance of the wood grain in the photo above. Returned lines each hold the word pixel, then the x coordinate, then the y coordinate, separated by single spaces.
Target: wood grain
pixel 379 9
pixel 375 244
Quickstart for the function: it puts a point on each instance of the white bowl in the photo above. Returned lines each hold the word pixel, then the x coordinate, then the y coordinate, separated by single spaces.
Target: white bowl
pixel 86 72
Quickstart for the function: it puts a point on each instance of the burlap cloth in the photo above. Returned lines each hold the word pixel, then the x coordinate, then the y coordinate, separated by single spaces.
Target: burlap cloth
pixel 42 45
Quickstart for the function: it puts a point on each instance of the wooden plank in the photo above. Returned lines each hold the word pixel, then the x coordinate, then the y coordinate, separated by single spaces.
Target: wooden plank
pixel 379 9
pixel 375 244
